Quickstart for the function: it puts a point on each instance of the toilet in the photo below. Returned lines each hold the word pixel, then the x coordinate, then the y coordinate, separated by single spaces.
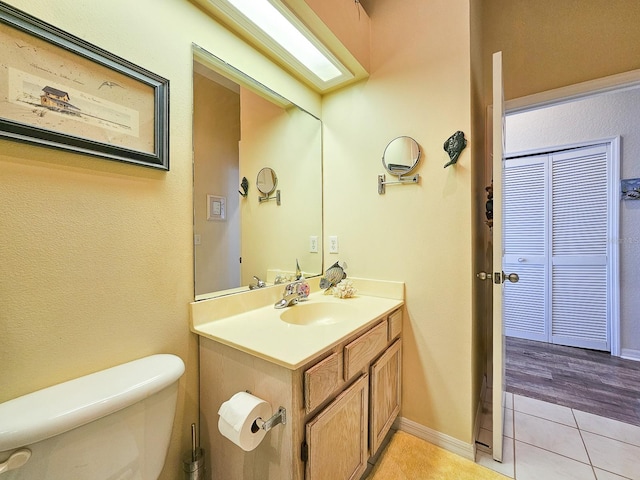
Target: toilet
pixel 114 424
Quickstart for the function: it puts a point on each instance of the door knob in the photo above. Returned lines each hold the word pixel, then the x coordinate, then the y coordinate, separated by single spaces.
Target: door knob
pixel 512 277
pixel 484 275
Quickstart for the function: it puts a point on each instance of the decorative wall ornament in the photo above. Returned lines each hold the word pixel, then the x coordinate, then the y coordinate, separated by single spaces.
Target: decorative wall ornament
pixel 453 146
pixel 630 189
pixel 489 205
pixel 244 185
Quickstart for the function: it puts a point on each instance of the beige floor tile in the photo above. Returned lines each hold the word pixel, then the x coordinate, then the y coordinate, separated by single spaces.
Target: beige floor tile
pixel 607 427
pixel 509 400
pixel 549 411
pixel 613 456
pixel 603 475
pixel 549 435
pixel 508 423
pixel 533 463
pixel 506 467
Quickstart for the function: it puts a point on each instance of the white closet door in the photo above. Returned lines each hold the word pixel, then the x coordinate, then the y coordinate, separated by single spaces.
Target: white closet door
pixel 525 248
pixel 579 310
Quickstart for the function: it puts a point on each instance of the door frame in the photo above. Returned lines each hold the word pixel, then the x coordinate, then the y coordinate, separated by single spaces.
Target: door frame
pixel 538 100
pixel 547 98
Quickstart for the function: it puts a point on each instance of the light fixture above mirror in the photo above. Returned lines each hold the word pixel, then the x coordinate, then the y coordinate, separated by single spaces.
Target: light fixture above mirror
pixel 272 27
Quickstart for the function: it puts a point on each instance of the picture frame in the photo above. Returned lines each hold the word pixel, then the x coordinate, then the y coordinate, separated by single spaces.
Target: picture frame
pixel 630 189
pixel 216 207
pixel 59 91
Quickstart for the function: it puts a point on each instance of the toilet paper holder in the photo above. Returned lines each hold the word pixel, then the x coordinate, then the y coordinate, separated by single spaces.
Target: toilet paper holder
pixel 280 417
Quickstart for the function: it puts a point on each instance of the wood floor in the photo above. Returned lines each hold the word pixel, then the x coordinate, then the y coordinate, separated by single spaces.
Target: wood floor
pixel 586 380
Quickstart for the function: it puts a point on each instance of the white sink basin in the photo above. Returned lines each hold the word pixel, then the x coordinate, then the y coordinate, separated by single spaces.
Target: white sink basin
pixel 317 313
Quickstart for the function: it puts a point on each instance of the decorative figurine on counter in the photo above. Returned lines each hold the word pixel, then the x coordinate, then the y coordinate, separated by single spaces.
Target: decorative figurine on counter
pixel 333 276
pixel 245 187
pixel 454 146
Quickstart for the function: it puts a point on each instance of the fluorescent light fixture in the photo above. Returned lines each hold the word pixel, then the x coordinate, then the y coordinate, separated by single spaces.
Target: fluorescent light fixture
pixel 277 26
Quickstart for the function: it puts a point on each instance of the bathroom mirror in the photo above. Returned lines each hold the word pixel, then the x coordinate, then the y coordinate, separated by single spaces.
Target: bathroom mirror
pixel 401 156
pixel 239 125
pixel 266 181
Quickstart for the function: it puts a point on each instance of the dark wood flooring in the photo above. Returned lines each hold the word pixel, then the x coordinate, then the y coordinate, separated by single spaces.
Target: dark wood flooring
pixel 582 379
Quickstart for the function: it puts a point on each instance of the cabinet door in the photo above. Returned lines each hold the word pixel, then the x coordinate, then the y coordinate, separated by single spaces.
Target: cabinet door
pixel 337 436
pixel 386 386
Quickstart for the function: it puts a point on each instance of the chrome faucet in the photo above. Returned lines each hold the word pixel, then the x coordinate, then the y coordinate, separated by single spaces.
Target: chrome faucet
pixel 259 284
pixel 293 293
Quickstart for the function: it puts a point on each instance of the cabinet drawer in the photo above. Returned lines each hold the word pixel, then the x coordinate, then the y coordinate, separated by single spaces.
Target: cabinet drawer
pixel 359 353
pixel 395 324
pixel 320 381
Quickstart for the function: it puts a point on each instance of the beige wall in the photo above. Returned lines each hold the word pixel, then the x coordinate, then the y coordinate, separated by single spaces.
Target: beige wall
pixel 420 234
pixel 96 255
pixel 216 133
pixel 548 44
pixel 290 142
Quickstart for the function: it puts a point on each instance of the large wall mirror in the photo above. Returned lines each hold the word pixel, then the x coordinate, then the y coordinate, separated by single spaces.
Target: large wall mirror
pixel 239 128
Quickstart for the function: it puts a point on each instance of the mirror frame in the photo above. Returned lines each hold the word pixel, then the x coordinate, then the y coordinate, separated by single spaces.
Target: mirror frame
pixel 415 160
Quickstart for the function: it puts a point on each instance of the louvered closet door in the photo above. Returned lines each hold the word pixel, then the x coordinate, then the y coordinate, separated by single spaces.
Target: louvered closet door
pixel 525 246
pixel 579 309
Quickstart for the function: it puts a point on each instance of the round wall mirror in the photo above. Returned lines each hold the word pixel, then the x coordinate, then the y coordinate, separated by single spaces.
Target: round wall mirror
pixel 401 156
pixel 267 181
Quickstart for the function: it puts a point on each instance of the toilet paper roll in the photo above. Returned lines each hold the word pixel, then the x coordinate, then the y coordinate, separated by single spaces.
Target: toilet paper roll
pixel 237 417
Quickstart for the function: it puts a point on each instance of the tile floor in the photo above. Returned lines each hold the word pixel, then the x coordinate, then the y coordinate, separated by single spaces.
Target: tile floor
pixel 544 441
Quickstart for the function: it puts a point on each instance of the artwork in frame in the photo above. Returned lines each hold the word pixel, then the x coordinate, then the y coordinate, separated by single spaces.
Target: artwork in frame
pixel 59 91
pixel 630 189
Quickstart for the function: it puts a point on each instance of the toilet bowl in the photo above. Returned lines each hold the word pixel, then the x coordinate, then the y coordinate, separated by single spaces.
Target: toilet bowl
pixel 114 424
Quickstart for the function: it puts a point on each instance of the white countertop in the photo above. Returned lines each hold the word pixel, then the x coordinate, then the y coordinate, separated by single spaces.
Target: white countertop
pixel 261 332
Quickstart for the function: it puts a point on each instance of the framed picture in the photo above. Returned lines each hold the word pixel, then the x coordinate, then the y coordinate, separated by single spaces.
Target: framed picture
pixel 216 207
pixel 59 91
pixel 630 189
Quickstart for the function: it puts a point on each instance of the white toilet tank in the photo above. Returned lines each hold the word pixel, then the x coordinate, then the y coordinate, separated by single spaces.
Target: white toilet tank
pixel 111 425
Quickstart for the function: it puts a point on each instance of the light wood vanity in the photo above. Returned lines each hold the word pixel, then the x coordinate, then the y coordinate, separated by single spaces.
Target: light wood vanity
pixel 341 399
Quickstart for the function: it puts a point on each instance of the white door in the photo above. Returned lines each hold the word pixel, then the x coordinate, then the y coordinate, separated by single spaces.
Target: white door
pixel 498 336
pixel 497 277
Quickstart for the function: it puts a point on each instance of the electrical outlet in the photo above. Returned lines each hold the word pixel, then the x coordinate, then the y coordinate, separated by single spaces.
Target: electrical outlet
pixel 196 239
pixel 313 244
pixel 333 244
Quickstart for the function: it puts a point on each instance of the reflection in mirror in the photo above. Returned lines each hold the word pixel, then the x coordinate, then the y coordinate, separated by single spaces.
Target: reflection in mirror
pixel 238 126
pixel 401 156
pixel 266 184
pixel 266 181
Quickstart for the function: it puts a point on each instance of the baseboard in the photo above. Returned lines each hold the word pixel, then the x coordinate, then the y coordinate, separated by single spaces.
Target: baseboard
pixel 630 354
pixel 453 445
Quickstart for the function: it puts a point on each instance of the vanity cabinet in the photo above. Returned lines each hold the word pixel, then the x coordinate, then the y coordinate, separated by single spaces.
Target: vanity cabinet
pixel 336 438
pixel 351 428
pixel 340 406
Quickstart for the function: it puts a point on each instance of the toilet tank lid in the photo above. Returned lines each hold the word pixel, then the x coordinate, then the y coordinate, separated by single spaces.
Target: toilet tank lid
pixel 57 409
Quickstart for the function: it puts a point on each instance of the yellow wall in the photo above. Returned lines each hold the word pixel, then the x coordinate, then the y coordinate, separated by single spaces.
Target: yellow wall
pixel 419 86
pixel 96 255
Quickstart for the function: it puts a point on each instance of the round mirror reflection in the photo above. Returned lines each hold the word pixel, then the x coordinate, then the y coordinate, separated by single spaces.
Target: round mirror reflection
pixel 401 156
pixel 266 181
